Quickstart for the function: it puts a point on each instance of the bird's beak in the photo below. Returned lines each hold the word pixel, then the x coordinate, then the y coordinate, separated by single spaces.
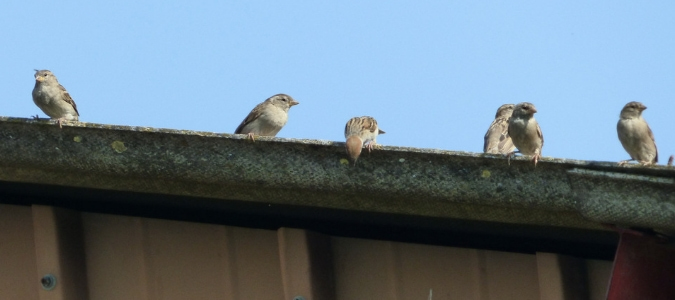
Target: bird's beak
pixel 39 78
pixel 380 131
pixel 534 110
pixel 293 102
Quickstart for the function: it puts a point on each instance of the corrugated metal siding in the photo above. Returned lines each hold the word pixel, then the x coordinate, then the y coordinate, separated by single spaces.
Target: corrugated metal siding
pixel 139 258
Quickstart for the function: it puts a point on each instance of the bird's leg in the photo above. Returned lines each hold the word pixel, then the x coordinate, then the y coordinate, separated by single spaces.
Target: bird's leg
pixel 509 155
pixel 536 159
pixel 370 146
pixel 36 117
pixel 646 163
pixel 251 136
pixel 624 162
pixel 60 121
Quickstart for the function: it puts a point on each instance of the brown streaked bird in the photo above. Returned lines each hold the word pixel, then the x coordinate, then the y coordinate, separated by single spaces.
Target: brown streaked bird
pixel 53 99
pixel 635 135
pixel 497 139
pixel 268 117
pixel 525 132
pixel 360 131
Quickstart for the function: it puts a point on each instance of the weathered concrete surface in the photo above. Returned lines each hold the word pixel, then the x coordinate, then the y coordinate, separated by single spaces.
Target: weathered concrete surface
pixel 314 173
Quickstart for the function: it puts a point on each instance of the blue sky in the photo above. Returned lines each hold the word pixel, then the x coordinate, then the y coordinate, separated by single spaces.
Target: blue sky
pixel 432 73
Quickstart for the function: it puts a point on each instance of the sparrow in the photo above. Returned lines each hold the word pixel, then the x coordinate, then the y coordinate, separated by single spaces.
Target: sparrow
pixel 268 117
pixel 497 139
pixel 360 131
pixel 525 132
pixel 52 98
pixel 635 135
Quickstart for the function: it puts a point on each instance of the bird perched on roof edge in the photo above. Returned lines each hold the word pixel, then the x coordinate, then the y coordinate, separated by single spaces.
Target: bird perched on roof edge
pixel 360 131
pixel 268 117
pixel 525 131
pixel 497 139
pixel 635 135
pixel 52 98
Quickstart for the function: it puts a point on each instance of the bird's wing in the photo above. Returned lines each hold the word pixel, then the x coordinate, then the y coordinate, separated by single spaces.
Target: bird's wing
pixel 656 150
pixel 361 124
pixel 541 136
pixel 252 116
pixel 66 97
pixel 497 136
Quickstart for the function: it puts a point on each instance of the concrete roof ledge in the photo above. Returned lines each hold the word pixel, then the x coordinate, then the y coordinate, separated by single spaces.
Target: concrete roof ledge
pixel 315 173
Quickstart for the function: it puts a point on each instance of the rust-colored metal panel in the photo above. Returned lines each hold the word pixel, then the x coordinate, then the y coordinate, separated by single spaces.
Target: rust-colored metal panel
pixel 510 276
pixel 306 264
pixel 598 278
pixel 255 257
pixel 18 277
pixel 367 269
pixel 115 257
pixel 136 258
pixel 108 257
pixel 562 277
pixel 363 269
pixel 59 251
pixel 184 260
pixel 449 273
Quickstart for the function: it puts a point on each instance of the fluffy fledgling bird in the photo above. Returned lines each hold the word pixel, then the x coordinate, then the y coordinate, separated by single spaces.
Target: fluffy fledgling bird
pixel 52 98
pixel 497 139
pixel 360 131
pixel 268 117
pixel 525 132
pixel 635 135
